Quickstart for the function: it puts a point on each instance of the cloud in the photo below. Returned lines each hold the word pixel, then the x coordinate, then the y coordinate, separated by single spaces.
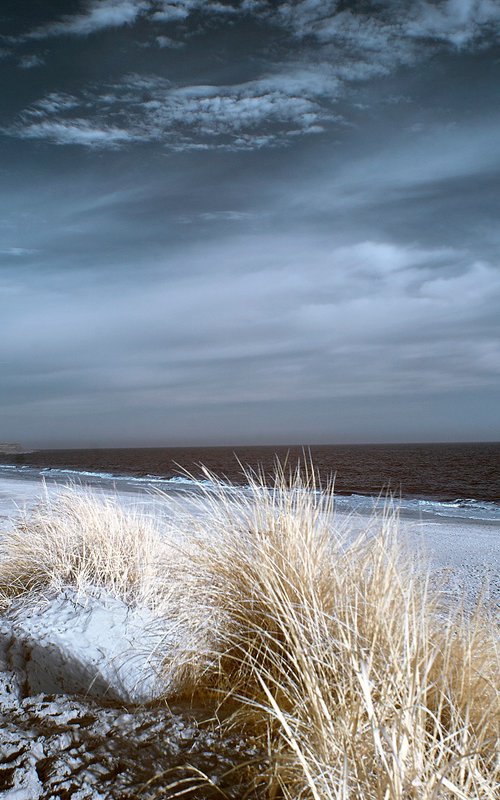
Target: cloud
pixel 55 119
pixel 96 16
pixel 305 17
pixel 30 61
pixel 53 103
pixel 456 22
pixel 327 321
pixel 165 11
pixel 330 322
pixel 216 217
pixel 99 15
pixel 166 41
pixel 18 252
pixel 263 112
pixel 292 98
pixel 78 132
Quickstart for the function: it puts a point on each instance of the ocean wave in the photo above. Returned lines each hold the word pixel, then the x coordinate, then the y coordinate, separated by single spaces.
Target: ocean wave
pixel 144 480
pixel 460 508
pixel 423 507
pixel 50 471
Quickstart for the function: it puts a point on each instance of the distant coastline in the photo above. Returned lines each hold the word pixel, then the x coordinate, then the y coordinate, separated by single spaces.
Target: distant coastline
pixel 13 449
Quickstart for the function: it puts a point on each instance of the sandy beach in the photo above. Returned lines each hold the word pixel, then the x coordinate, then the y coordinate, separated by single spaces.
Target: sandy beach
pixel 465 552
pixel 78 671
pixel 250 381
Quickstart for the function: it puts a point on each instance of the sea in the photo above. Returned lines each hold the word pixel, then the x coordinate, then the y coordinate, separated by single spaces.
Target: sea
pixel 456 481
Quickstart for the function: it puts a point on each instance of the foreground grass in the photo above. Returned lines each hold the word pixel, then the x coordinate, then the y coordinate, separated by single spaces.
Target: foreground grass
pixel 328 647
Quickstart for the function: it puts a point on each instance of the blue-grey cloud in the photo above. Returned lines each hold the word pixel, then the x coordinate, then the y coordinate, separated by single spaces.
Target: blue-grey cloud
pixel 281 101
pixel 367 319
pixel 167 41
pixel 261 112
pixel 457 22
pixel 30 61
pixel 286 228
pixel 96 15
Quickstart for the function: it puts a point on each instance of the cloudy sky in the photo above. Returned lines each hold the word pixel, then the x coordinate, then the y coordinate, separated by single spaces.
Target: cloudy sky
pixel 239 221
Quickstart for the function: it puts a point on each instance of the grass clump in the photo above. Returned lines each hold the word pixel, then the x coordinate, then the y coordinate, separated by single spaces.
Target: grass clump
pixel 325 645
pixel 82 539
pixel 333 649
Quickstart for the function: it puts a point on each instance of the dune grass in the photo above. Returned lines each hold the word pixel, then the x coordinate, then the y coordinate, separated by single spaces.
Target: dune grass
pixel 327 646
pixel 335 651
pixel 83 539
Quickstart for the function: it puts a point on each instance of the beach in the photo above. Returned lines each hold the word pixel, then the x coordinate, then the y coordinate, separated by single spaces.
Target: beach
pixel 81 669
pixel 77 674
pixel 461 544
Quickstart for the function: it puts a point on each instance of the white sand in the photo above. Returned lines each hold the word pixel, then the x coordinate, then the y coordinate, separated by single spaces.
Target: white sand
pixel 89 644
pixel 56 654
pixel 464 554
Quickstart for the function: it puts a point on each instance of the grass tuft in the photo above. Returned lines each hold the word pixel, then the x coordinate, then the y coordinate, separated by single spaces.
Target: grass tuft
pixel 326 646
pixel 334 650
pixel 82 539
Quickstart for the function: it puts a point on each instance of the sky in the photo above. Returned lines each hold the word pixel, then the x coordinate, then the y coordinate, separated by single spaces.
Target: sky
pixel 244 221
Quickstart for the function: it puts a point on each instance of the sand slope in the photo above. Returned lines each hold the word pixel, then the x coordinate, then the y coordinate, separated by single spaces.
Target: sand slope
pixel 87 644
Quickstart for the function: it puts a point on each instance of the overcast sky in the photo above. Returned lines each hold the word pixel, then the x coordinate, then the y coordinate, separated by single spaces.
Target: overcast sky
pixel 243 221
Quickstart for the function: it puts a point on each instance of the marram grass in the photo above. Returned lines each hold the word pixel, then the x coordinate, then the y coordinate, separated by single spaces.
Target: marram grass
pixel 81 539
pixel 330 647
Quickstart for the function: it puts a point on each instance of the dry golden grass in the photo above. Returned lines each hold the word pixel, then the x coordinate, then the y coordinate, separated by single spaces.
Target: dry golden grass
pixel 335 652
pixel 87 540
pixel 82 539
pixel 329 647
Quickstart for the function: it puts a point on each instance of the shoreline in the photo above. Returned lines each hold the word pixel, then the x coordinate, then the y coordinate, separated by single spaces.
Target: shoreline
pixel 419 507
pixel 464 552
pixel 454 474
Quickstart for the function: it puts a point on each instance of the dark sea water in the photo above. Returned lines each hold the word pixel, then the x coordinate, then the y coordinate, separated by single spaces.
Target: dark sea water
pixel 450 473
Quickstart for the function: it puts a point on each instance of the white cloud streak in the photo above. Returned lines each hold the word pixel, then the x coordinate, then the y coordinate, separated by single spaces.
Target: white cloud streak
pixel 140 108
pixel 18 252
pixel 456 22
pixel 78 132
pixel 97 15
pixel 292 99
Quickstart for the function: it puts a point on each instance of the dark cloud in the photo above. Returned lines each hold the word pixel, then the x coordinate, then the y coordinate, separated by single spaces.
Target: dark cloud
pixel 280 101
pixel 31 61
